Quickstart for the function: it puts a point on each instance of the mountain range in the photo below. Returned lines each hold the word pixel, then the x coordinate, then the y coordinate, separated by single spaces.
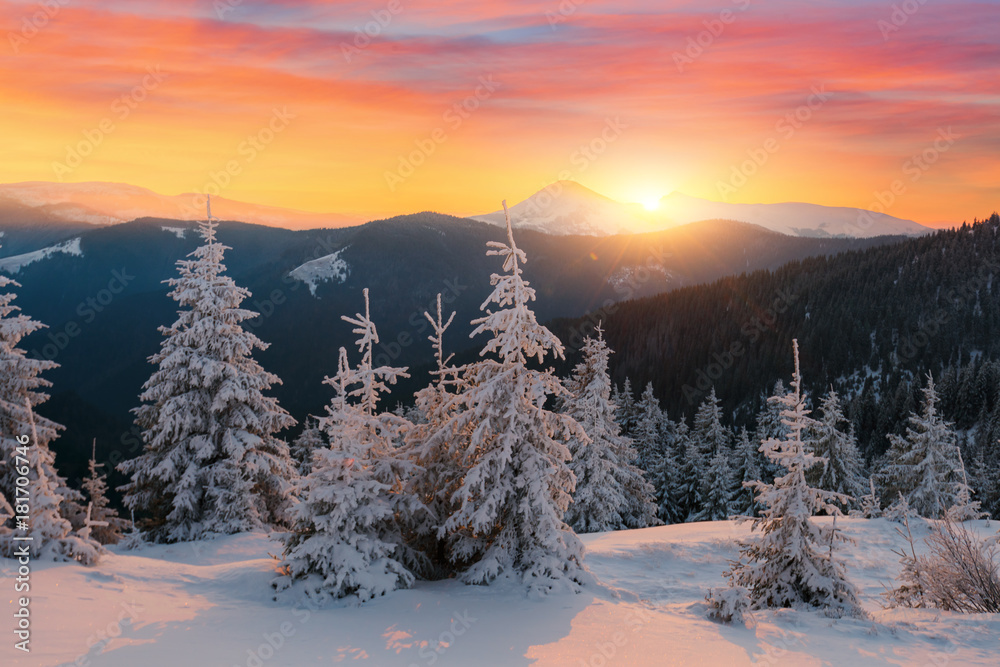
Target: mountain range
pixel 566 207
pixel 562 208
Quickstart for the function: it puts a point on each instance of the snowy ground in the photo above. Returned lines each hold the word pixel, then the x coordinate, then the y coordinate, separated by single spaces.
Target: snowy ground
pixel 208 603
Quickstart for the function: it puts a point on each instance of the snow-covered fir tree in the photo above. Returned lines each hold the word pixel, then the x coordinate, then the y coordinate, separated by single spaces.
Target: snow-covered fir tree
pixel 624 398
pixel 793 562
pixel 611 493
pixel 517 484
pixel 923 465
pixel 347 539
pixel 51 500
pixel 717 489
pixel 746 470
pixel 706 439
pixel 964 507
pixel 100 511
pixel 646 430
pixel 666 475
pixel 870 505
pixel 770 426
pixel 428 442
pixel 309 441
pixel 841 467
pixel 984 477
pixel 211 463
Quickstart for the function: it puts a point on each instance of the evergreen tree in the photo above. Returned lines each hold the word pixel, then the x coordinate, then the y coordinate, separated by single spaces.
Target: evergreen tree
pixel 793 562
pixel 871 504
pixel 348 539
pixel 922 465
pixel 24 450
pixel 440 469
pixel 308 442
pixel 666 477
pixel 770 426
pixel 611 493
pixel 707 438
pixel 965 508
pixel 211 463
pixel 717 489
pixel 746 472
pixel 646 430
pixel 840 465
pixel 626 413
pixel 517 485
pixel 99 511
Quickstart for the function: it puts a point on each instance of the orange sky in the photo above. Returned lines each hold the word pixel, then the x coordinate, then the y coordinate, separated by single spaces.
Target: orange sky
pixel 612 94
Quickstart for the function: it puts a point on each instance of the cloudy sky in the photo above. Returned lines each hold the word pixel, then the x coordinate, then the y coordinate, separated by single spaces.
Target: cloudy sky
pixel 384 107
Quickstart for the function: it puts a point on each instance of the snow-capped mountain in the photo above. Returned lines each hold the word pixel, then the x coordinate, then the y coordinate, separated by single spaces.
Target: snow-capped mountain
pixel 100 203
pixel 566 207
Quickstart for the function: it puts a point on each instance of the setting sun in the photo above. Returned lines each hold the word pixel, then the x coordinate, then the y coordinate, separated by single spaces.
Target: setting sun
pixel 651 203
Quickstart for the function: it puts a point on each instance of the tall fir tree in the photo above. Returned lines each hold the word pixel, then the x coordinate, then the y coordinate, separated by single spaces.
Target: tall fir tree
pixel 717 489
pixel 348 539
pixel 646 430
pixel 211 463
pixel 746 471
pixel 52 501
pixel 666 476
pixel 840 467
pixel 793 562
pixel 440 470
pixel 922 466
pixel 514 450
pixel 611 493
pixel 306 444
pixel 626 413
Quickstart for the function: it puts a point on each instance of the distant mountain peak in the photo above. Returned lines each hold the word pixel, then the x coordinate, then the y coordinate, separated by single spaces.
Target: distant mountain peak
pixel 567 207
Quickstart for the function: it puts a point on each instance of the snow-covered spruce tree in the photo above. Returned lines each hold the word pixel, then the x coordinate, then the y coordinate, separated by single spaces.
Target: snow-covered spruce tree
pixel 100 511
pixel 646 431
pixel 840 464
pixel 517 484
pixel 746 470
pixel 705 440
pixel 923 465
pixel 611 493
pixel 870 505
pixel 666 475
pixel 793 562
pixel 428 443
pixel 691 473
pixel 964 508
pixel 211 463
pixel 770 425
pixel 717 489
pixel 624 398
pixel 51 499
pixel 348 532
pixel 309 441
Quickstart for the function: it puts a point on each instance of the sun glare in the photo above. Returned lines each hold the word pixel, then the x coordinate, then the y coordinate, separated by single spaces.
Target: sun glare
pixel 651 203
